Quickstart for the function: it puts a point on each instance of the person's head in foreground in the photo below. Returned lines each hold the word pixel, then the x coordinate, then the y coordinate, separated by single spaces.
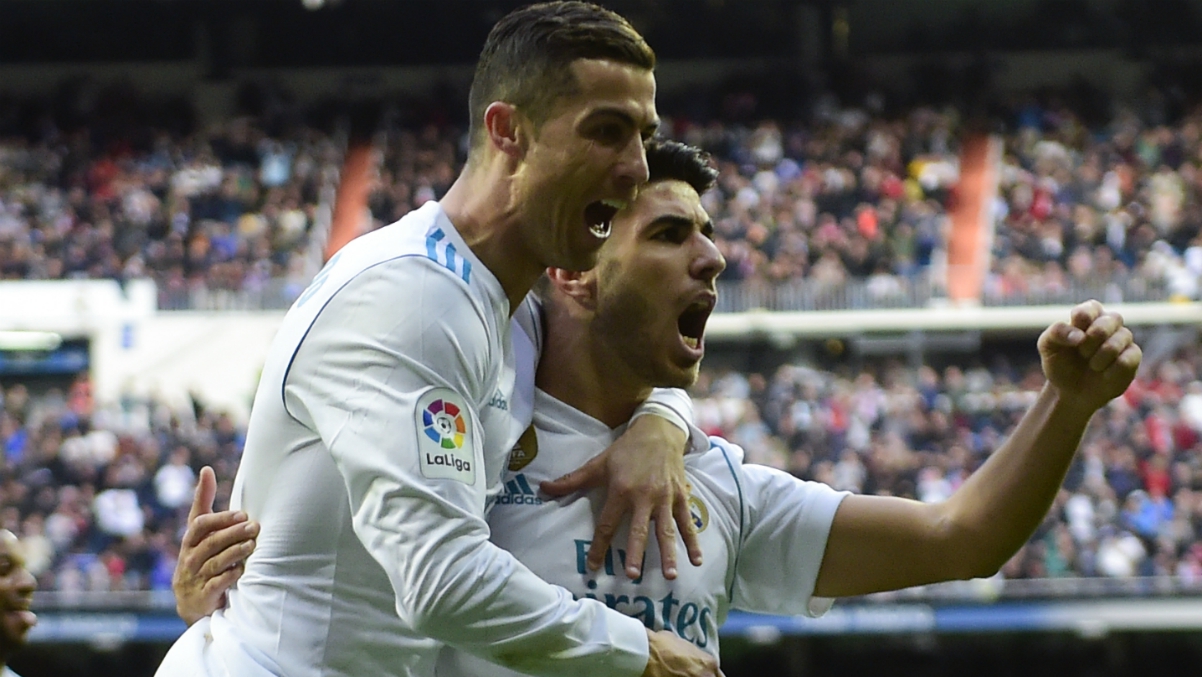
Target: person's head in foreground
pixel 644 307
pixel 562 101
pixel 16 594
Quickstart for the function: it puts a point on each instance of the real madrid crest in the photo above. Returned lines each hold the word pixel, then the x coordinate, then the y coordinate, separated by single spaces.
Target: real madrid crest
pixel 524 451
pixel 698 513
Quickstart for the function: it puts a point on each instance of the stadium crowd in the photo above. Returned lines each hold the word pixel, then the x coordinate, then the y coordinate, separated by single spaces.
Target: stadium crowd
pixel 219 215
pixel 100 495
pixel 853 194
pixel 1131 505
pixel 211 215
pixel 861 195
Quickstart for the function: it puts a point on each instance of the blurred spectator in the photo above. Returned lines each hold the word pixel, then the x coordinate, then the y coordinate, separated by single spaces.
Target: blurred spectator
pixel 118 513
pixel 212 216
pixel 1130 505
pixel 174 482
pixel 852 197
pixel 101 496
pixel 100 506
pixel 1120 554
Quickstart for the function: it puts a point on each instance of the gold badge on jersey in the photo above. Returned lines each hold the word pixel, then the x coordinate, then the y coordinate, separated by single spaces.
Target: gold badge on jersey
pixel 698 513
pixel 524 451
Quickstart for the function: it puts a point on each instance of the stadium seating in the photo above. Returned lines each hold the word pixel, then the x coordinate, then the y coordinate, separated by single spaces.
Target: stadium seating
pixel 846 211
pixel 849 210
pixel 101 494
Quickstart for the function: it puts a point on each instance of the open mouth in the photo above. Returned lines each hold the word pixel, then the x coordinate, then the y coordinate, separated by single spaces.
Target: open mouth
pixel 599 216
pixel 20 616
pixel 691 323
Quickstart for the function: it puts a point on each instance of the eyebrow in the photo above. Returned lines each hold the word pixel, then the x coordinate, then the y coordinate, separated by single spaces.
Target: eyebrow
pixel 646 132
pixel 677 220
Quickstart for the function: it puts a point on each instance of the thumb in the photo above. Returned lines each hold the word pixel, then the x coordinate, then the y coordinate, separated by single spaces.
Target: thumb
pixel 206 493
pixel 586 476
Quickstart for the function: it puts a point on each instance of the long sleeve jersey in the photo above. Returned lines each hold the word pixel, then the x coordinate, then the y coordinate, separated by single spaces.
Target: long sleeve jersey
pixel 380 431
pixel 763 531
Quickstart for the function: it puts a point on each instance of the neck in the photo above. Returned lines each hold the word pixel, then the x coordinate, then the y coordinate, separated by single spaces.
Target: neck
pixel 576 369
pixel 482 207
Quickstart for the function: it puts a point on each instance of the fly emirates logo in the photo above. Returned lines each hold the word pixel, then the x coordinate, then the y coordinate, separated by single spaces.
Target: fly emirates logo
pixel 691 621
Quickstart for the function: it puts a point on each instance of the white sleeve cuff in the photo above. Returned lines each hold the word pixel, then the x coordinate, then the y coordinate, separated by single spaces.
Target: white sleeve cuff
pixel 630 646
pixel 672 404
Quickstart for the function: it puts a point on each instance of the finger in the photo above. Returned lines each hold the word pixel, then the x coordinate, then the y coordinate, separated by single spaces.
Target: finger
pixel 1083 314
pixel 230 557
pixel 587 476
pixel 205 494
pixel 636 540
pixel 1109 351
pixel 1126 364
pixel 205 526
pixel 603 534
pixel 239 534
pixel 665 534
pixel 688 531
pixel 216 587
pixel 1064 334
pixel 1101 329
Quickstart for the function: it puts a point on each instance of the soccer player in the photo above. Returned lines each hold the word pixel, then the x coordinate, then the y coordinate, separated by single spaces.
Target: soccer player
pixel 775 544
pixel 16 593
pixel 386 409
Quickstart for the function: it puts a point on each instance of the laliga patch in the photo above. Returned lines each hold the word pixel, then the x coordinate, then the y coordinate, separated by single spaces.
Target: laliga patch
pixel 444 437
pixel 524 451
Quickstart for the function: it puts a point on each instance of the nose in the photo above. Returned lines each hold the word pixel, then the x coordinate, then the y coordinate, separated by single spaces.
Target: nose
pixel 24 583
pixel 708 262
pixel 632 170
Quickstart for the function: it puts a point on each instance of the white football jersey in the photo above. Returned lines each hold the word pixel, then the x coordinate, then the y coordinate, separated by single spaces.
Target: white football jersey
pixel 382 424
pixel 763 533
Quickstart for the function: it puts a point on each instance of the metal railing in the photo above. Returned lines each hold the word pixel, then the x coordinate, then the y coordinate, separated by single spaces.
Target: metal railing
pixel 920 292
pixel 273 294
pixel 811 295
pixel 734 297
pixel 1120 289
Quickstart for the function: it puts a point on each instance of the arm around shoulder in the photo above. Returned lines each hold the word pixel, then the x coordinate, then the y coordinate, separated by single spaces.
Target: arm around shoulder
pixel 393 394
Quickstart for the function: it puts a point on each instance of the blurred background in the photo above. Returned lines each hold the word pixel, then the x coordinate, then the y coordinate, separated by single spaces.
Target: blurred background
pixel 910 191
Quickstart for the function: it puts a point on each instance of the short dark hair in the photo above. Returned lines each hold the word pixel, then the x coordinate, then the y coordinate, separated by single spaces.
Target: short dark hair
pixel 669 160
pixel 526 58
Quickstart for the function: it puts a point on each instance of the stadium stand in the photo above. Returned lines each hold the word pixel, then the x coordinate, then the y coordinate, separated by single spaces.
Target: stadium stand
pixel 1130 506
pixel 825 203
pixel 847 210
pixel 218 218
pixel 100 494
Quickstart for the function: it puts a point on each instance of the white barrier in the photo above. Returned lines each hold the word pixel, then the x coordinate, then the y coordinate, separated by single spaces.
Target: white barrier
pixel 218 355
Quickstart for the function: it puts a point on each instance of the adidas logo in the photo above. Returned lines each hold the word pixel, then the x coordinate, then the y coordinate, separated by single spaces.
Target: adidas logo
pixel 498 400
pixel 518 492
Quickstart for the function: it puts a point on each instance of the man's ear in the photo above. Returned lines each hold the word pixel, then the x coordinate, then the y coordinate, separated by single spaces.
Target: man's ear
pixel 506 129
pixel 580 287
